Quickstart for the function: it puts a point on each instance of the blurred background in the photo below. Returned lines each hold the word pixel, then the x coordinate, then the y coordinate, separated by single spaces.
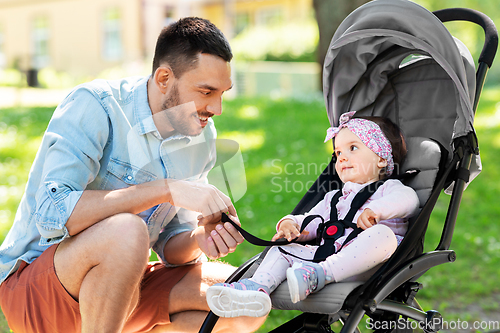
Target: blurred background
pixel 279 45
pixel 275 112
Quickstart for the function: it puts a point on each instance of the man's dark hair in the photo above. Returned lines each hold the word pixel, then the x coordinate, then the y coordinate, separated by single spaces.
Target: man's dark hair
pixel 180 43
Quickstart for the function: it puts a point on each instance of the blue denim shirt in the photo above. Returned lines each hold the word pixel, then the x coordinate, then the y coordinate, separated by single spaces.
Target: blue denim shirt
pixel 103 137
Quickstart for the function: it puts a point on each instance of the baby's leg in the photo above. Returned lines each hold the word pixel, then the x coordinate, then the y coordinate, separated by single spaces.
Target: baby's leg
pixel 272 271
pixel 372 247
pixel 250 297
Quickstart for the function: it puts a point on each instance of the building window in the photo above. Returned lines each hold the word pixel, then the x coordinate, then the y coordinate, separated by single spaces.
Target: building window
pixel 112 35
pixel 40 42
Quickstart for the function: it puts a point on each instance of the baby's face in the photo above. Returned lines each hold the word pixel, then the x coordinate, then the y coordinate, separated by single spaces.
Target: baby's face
pixel 355 161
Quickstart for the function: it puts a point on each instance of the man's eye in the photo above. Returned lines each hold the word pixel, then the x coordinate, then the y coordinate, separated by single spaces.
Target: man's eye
pixel 206 93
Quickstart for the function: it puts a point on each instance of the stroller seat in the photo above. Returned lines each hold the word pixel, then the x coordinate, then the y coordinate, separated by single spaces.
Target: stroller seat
pixel 327 301
pixel 423 155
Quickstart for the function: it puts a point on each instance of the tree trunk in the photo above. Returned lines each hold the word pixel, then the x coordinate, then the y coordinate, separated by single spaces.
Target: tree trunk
pixel 329 15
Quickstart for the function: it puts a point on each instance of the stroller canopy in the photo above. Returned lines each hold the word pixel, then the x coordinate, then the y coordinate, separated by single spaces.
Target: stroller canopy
pixel 376 41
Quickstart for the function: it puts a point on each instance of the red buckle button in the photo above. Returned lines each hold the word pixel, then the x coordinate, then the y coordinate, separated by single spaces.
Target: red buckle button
pixel 332 230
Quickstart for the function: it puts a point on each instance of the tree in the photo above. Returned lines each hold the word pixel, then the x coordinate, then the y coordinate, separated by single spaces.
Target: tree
pixel 329 15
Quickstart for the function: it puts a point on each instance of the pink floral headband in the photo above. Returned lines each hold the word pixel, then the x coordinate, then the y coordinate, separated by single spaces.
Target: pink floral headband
pixel 369 133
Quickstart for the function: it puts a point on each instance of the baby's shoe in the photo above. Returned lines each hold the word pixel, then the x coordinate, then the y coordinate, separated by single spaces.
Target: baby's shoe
pixel 304 279
pixel 243 298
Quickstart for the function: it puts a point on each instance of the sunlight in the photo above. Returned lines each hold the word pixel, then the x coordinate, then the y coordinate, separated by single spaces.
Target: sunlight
pixel 247 140
pixel 248 112
pixel 329 147
pixel 8 137
pixel 496 141
pixel 486 120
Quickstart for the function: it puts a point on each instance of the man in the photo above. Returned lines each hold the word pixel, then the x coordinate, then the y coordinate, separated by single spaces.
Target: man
pixel 117 154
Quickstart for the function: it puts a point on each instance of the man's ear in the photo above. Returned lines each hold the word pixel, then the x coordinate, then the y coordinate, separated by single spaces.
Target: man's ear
pixel 163 78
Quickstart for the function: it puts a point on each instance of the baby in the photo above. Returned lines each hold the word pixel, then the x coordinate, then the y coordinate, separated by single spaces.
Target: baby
pixel 366 150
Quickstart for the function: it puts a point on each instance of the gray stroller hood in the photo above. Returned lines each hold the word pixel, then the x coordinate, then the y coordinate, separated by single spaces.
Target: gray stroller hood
pixel 367 69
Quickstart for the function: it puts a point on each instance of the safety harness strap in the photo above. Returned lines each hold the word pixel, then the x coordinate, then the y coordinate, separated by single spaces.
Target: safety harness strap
pixel 326 230
pixel 335 228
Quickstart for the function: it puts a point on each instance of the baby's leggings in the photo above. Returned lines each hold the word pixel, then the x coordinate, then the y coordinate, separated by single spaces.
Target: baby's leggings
pixel 372 247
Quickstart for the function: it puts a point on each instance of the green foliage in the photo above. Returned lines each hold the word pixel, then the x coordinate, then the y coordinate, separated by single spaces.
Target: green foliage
pixel 4 327
pixel 21 130
pixel 289 42
pixel 12 78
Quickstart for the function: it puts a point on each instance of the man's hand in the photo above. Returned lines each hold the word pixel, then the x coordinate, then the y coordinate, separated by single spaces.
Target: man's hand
pixel 288 229
pixel 217 240
pixel 199 197
pixel 367 219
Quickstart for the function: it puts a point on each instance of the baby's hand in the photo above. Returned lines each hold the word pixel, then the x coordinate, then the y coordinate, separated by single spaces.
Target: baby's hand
pixel 288 229
pixel 367 219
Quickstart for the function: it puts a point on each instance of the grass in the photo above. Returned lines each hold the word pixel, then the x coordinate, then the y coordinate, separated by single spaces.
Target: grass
pixel 283 151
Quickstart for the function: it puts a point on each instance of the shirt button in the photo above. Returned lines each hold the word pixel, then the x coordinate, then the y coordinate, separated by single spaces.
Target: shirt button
pixel 53 189
pixel 129 177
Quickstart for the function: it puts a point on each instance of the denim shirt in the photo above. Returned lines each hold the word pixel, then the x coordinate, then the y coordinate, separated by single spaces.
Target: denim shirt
pixel 103 137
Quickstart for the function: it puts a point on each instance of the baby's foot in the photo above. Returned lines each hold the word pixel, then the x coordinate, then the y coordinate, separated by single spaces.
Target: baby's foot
pixel 304 279
pixel 243 298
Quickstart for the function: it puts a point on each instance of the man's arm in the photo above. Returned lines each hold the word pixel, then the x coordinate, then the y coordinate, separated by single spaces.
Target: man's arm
pixel 95 206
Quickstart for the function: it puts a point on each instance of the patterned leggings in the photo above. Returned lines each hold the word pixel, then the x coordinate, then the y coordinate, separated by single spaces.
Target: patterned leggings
pixel 356 261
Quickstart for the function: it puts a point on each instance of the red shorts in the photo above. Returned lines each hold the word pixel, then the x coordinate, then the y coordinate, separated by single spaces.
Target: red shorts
pixel 33 299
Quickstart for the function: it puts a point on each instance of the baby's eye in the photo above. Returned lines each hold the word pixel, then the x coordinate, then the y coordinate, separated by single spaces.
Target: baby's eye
pixel 337 153
pixel 353 148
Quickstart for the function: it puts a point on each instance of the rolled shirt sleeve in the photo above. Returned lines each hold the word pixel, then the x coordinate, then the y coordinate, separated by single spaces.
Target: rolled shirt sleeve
pixel 55 204
pixel 74 144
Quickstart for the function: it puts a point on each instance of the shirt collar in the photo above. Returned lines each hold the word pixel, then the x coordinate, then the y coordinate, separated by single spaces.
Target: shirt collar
pixel 142 111
pixel 144 116
pixel 350 187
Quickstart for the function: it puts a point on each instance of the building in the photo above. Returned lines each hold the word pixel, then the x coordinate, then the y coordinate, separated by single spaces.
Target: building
pixel 85 37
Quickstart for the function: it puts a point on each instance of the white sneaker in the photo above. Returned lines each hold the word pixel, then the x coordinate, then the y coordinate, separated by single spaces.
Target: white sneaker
pixel 243 298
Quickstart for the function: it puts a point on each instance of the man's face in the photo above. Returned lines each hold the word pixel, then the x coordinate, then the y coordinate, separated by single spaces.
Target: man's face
pixel 197 95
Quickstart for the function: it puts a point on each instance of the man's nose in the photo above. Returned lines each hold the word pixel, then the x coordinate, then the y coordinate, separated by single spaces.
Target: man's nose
pixel 215 106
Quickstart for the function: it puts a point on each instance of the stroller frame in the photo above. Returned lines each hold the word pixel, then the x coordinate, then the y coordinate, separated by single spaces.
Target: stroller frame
pixel 390 292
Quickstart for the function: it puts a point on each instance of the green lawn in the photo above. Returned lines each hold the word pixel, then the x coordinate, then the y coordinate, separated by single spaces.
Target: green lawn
pixel 283 151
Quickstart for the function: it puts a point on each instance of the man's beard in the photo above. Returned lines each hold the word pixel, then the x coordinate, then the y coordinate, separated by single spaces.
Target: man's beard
pixel 180 121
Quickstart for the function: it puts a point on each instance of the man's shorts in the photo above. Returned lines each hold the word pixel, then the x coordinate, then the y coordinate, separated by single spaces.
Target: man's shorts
pixel 33 299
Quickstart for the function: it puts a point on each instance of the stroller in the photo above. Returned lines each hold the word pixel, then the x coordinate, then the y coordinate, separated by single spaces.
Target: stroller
pixel 395 59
